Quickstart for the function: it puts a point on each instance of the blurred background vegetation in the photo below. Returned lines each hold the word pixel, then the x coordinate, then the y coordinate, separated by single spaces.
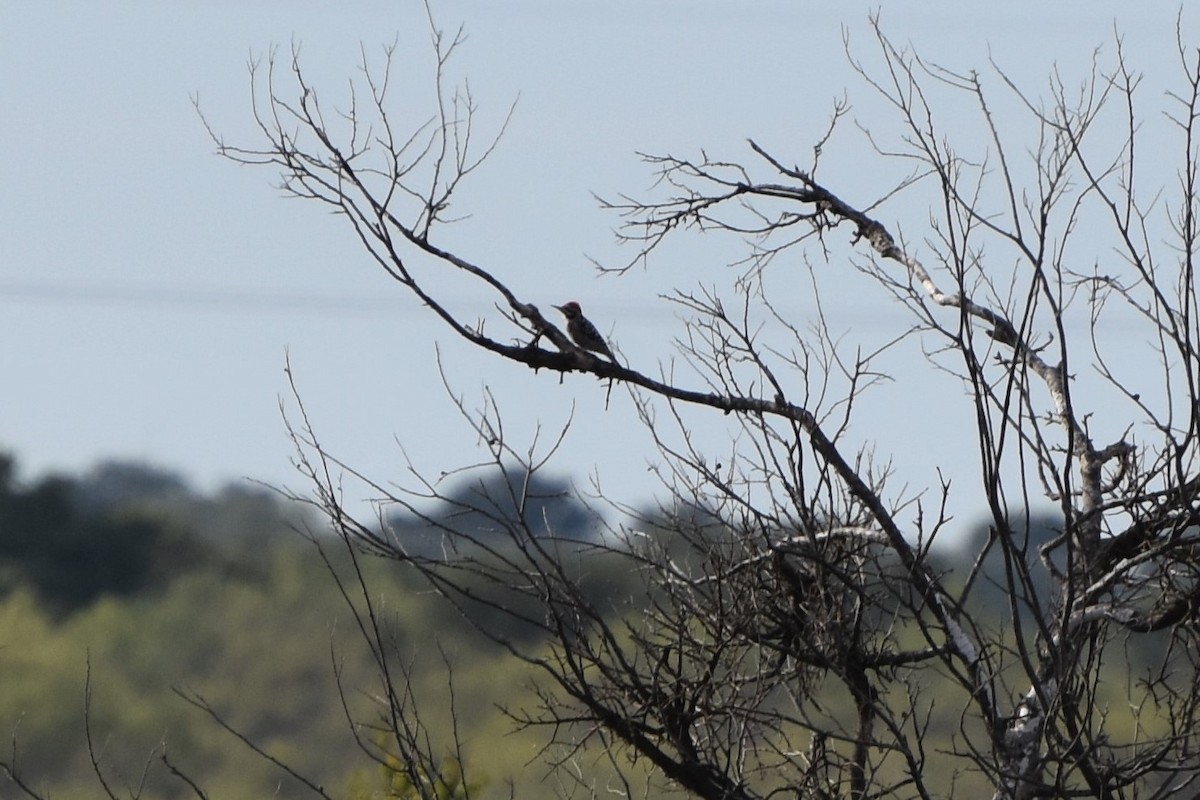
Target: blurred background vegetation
pixel 163 593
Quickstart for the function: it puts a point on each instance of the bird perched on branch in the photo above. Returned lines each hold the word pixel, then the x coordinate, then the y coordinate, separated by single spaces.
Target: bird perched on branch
pixel 582 331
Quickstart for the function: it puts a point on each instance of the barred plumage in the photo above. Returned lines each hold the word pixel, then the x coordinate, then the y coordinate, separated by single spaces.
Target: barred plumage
pixel 582 331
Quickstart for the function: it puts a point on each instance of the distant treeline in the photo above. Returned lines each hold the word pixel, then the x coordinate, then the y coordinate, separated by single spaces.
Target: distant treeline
pixel 124 528
pixel 120 529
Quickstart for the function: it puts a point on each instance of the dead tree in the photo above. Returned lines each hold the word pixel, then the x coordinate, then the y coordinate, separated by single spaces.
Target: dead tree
pixel 793 635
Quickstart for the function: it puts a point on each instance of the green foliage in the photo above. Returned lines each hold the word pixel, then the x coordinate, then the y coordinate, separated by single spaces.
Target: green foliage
pixel 393 779
pixel 261 648
pixel 70 553
pixel 260 638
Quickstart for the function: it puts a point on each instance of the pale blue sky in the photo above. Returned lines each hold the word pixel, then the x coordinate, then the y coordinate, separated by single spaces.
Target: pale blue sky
pixel 149 290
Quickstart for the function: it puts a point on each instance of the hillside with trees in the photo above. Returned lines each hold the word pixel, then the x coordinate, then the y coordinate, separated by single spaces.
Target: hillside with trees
pixel 221 606
pixel 244 624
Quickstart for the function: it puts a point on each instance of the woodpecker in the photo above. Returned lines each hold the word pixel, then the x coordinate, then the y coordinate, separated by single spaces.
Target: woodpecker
pixel 582 331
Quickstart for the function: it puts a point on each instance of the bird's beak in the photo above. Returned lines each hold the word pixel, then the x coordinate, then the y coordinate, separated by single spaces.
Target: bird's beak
pixel 560 308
